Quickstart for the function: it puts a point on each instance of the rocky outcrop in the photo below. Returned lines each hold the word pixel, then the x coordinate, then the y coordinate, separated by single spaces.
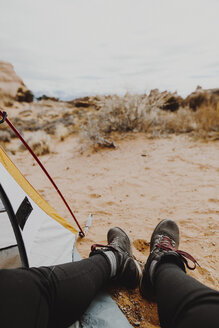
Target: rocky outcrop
pixel 202 97
pixel 11 85
pixel 84 102
pixel 24 95
pixel 165 100
pixel 45 97
pixel 172 101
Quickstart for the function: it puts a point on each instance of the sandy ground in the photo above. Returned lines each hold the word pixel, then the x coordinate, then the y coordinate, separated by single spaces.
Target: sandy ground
pixel 135 186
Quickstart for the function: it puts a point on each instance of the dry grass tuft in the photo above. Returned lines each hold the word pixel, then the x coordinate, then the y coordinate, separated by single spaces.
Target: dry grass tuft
pixel 93 137
pixel 61 132
pixel 40 143
pixel 179 122
pixel 5 136
pixel 207 118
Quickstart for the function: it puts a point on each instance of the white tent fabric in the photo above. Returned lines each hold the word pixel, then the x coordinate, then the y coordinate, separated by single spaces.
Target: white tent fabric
pixel 9 254
pixel 47 242
pixel 7 237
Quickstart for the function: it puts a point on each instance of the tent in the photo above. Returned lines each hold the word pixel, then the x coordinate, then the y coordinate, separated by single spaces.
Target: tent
pixel 32 233
pixel 47 237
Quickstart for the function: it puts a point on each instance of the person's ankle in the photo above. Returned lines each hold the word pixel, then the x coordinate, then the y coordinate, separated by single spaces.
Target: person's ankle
pixel 118 252
pixel 163 249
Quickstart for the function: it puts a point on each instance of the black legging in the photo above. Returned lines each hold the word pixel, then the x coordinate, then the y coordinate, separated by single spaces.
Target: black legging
pixel 50 296
pixel 57 296
pixel 183 302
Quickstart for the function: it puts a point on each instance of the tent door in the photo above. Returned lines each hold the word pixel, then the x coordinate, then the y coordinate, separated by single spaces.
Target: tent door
pixel 12 249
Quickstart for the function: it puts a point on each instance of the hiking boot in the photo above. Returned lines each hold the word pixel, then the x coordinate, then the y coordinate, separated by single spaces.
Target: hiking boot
pixel 163 248
pixel 118 252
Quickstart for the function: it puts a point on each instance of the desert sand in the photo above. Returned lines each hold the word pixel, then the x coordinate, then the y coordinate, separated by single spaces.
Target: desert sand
pixel 135 186
pixel 142 178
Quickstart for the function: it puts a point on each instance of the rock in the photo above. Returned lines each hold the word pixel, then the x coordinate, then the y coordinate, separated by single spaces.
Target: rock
pixel 165 100
pixel 45 97
pixel 24 95
pixel 84 102
pixel 10 83
pixel 136 323
pixel 79 103
pixel 202 97
pixel 172 103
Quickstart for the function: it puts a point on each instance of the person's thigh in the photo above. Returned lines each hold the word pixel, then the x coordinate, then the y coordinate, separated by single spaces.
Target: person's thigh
pixel 201 316
pixel 22 303
pixel 53 296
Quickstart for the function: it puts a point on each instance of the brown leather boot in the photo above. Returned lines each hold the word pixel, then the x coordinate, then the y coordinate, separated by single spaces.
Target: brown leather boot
pixel 163 248
pixel 118 252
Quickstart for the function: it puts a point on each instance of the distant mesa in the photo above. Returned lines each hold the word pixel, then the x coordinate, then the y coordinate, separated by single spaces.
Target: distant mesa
pixel 12 88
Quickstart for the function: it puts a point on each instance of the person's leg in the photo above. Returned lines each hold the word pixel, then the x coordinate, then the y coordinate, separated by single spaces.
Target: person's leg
pixel 183 302
pixel 57 296
pixel 50 296
pixel 70 287
pixel 73 286
pixel 21 302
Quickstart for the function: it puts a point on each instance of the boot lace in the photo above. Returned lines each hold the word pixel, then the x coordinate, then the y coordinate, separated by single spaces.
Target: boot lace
pixel 167 244
pixel 95 246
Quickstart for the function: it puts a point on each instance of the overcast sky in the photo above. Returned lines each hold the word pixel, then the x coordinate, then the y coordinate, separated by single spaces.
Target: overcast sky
pixel 70 48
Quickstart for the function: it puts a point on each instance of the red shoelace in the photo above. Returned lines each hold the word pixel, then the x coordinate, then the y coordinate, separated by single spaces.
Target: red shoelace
pixel 166 245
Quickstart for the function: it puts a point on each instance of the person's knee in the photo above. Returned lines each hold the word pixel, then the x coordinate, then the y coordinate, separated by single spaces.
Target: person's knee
pixel 18 282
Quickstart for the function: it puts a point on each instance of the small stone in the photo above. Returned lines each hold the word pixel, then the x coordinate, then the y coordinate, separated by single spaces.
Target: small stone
pixel 137 323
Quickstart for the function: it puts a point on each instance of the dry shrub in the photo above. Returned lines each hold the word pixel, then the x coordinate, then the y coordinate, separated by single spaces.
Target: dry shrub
pixel 128 113
pixel 119 114
pixel 142 113
pixel 8 103
pixel 94 137
pixel 40 143
pixel 207 118
pixel 6 99
pixel 50 126
pixel 5 136
pixel 204 121
pixel 26 124
pixel 138 113
pixel 61 132
pixel 181 121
